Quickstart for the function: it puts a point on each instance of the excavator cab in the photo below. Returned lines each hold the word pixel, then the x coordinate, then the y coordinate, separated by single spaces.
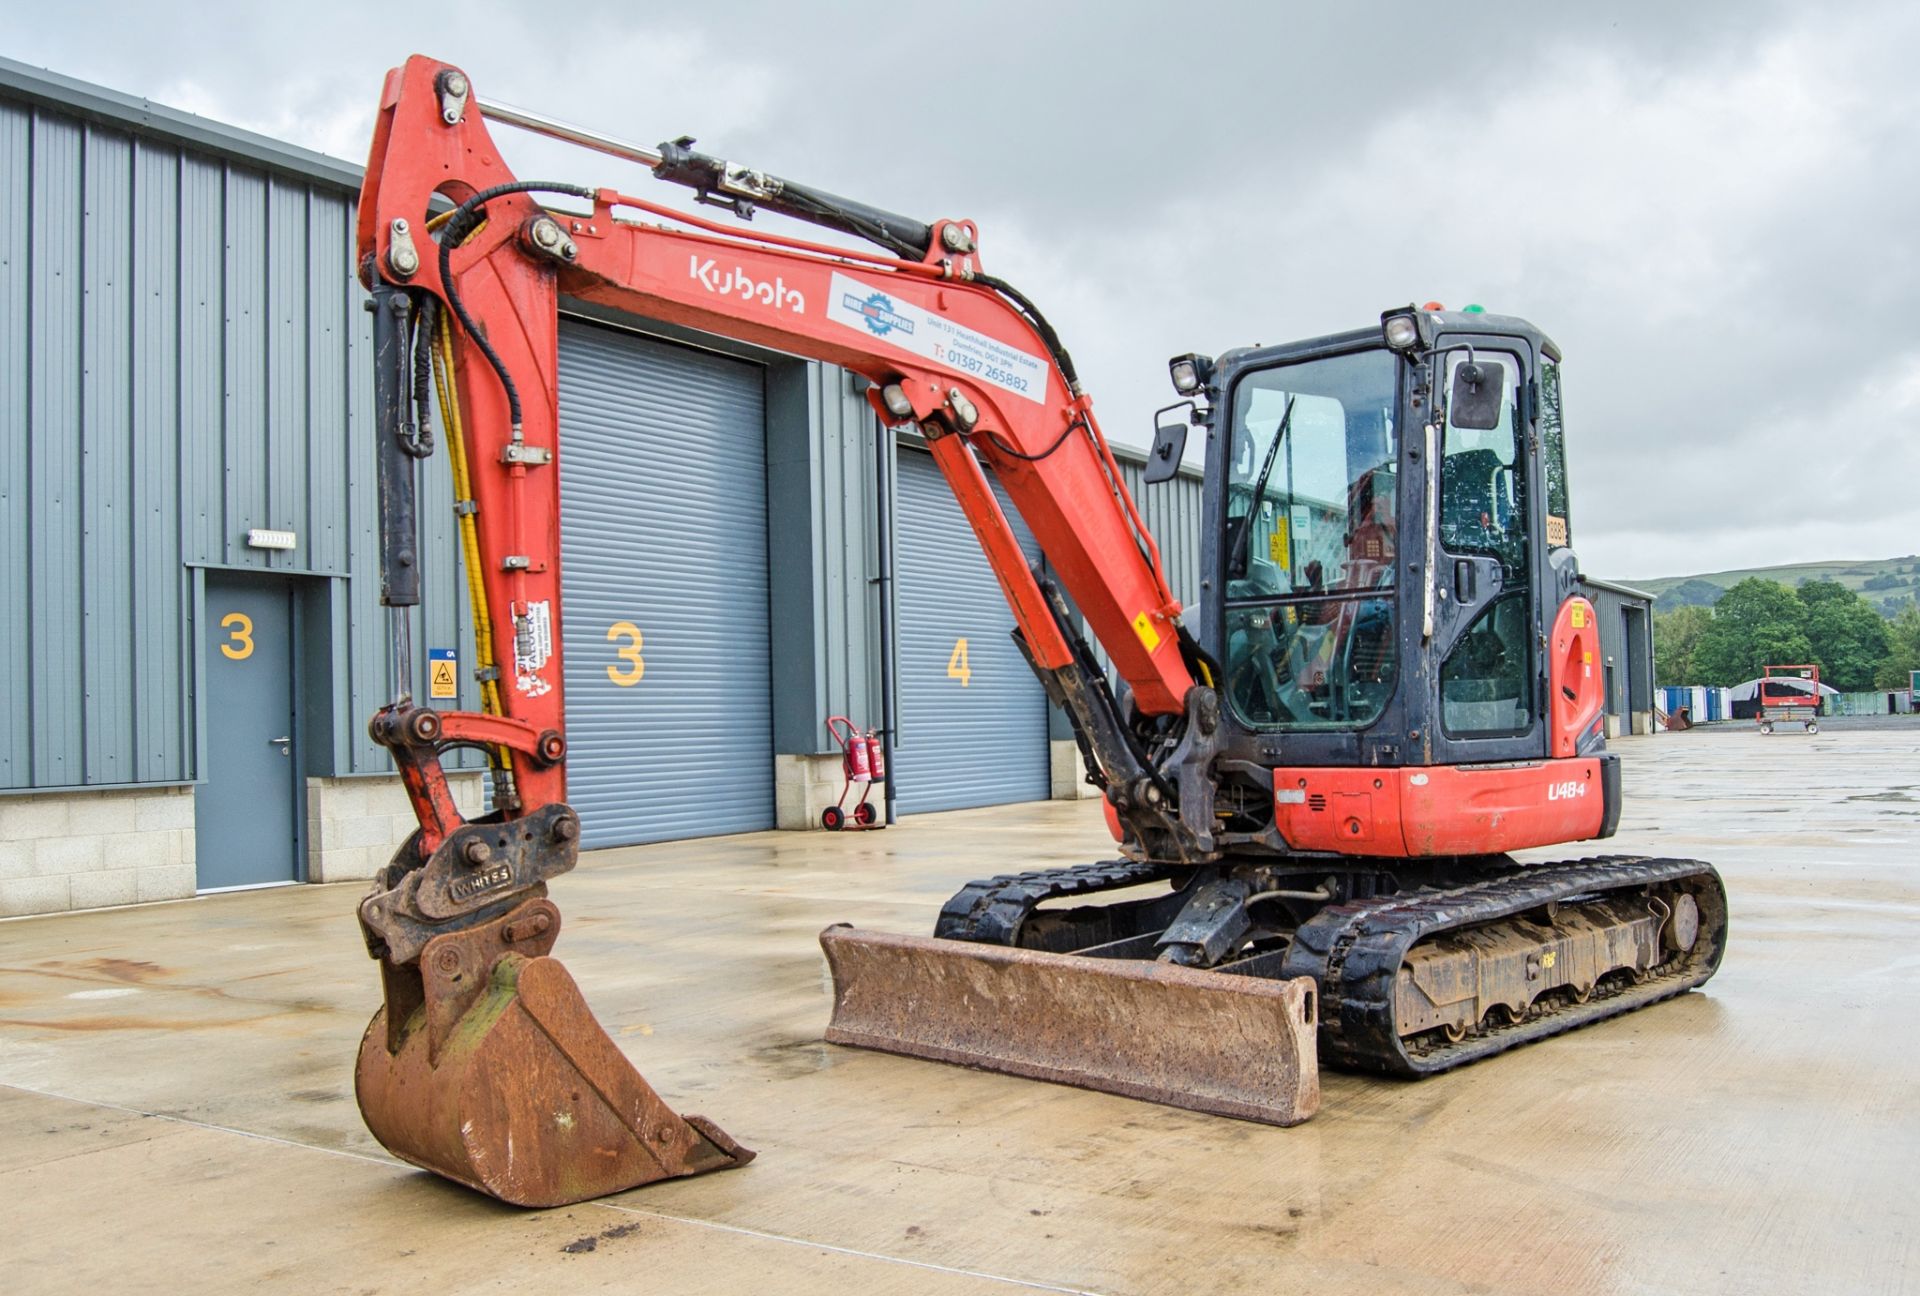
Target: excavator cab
pixel 1390 528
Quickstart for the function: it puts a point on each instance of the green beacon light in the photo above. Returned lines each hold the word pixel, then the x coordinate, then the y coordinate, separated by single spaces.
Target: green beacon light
pixel 1473 310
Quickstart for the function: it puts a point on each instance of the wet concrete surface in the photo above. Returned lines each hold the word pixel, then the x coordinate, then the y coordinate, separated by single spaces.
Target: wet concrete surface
pixel 176 1101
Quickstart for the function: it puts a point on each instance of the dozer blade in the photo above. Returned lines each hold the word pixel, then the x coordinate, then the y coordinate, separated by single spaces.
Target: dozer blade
pixel 510 1086
pixel 1229 1045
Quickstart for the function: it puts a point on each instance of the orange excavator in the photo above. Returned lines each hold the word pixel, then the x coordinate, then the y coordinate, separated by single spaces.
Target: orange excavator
pixel 1314 780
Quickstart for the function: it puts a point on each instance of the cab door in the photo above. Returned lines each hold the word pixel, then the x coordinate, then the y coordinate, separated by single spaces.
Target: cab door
pixel 1487 659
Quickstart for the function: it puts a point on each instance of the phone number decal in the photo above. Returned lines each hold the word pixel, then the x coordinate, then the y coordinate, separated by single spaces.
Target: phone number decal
pixel 879 314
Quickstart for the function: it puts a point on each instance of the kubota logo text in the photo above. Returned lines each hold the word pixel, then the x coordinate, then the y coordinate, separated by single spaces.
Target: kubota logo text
pixel 1565 791
pixel 735 281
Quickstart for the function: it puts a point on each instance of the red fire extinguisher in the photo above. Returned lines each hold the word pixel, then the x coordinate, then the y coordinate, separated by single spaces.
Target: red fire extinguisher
pixel 876 756
pixel 859 763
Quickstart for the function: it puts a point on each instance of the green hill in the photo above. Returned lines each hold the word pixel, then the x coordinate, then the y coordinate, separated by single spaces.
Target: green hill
pixel 1887 583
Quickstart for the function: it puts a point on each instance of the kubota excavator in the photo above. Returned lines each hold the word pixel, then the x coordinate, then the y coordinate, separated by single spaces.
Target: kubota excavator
pixel 1315 783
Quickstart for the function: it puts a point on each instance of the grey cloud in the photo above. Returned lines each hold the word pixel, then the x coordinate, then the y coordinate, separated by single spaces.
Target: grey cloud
pixel 1709 205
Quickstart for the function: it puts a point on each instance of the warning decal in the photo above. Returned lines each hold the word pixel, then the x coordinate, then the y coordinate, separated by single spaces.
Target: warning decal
pixel 442 677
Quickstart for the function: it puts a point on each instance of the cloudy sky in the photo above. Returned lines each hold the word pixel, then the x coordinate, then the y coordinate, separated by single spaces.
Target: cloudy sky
pixel 1712 207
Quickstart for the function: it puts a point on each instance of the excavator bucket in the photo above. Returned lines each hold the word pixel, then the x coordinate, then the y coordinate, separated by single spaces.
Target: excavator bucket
pixel 487 1067
pixel 1207 1041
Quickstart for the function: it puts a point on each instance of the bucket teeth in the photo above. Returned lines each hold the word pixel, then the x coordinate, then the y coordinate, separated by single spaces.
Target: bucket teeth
pixel 509 1086
pixel 1230 1045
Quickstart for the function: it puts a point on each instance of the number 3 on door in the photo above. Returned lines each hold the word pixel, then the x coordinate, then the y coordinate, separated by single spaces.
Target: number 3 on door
pixel 628 652
pixel 957 667
pixel 239 628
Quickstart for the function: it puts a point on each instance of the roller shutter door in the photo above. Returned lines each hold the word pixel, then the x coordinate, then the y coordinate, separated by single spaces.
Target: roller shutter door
pixel 972 734
pixel 663 542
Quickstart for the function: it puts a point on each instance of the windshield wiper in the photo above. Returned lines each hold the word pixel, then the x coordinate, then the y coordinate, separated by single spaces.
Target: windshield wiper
pixel 1237 542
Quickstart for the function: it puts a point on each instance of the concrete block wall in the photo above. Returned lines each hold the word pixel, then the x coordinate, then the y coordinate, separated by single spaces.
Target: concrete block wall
pixel 86 850
pixel 1070 772
pixel 803 786
pixel 354 825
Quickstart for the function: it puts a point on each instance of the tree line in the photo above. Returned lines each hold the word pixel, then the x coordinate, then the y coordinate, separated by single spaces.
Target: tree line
pixel 1759 623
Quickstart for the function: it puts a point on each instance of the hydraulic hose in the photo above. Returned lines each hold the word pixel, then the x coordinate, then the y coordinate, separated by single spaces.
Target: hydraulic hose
pixel 469 530
pixel 459 224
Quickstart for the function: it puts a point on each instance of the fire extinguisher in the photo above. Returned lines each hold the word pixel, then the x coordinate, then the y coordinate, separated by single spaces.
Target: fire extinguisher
pixel 876 756
pixel 859 764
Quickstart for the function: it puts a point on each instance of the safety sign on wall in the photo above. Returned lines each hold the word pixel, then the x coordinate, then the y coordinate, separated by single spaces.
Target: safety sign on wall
pixel 442 682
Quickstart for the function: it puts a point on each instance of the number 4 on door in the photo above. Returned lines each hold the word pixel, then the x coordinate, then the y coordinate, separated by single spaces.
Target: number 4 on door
pixel 957 667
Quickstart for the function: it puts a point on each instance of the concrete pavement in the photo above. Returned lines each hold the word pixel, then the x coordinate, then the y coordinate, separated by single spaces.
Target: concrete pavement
pixel 176 1091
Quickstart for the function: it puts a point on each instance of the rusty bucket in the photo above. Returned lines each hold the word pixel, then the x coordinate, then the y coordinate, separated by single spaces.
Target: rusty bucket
pixel 1230 1045
pixel 487 1067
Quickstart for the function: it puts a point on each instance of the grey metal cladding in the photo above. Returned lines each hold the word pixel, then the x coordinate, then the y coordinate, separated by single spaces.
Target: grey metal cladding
pixel 663 479
pixel 183 356
pixel 181 359
pixel 849 547
pixel 981 740
pixel 1171 511
pixel 822 484
pixel 85 102
pixel 16 513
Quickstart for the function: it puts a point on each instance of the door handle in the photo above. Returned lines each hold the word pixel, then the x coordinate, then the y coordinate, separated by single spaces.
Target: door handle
pixel 1463 582
pixel 285 744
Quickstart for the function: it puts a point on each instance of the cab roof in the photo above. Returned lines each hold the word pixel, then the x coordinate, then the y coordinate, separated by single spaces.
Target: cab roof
pixel 1435 322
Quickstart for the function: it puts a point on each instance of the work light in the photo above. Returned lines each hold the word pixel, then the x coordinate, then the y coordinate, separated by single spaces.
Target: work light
pixel 1189 372
pixel 1401 329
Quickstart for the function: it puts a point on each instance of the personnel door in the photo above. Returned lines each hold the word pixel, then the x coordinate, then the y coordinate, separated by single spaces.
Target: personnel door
pixel 247 808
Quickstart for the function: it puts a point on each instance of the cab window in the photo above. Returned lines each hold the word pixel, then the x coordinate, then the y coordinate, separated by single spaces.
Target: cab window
pixel 1312 531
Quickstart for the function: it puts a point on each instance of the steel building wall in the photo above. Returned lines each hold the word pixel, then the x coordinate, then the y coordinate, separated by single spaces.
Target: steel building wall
pixel 1171 510
pixel 824 552
pixel 183 356
pixel 1628 647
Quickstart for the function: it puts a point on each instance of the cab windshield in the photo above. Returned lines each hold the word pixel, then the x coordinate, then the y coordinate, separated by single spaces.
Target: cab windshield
pixel 1311 535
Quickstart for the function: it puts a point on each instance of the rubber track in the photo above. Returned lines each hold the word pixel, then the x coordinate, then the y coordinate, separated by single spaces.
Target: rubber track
pixel 1355 952
pixel 991 911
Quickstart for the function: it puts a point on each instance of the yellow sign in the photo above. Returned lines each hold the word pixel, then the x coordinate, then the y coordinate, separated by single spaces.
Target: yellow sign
pixel 442 682
pixel 239 628
pixel 1277 547
pixel 1579 616
pixel 1149 633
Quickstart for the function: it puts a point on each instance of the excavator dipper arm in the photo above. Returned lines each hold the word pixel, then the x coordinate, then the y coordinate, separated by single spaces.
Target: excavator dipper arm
pixel 466 266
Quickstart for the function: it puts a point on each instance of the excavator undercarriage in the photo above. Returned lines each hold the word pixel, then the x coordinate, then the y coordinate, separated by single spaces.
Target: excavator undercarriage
pixel 1417 970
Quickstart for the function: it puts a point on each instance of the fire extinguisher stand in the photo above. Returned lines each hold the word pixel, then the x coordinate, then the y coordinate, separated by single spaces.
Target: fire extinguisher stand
pixel 862 764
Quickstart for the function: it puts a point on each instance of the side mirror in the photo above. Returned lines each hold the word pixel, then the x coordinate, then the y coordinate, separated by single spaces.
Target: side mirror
pixel 1479 390
pixel 1163 461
